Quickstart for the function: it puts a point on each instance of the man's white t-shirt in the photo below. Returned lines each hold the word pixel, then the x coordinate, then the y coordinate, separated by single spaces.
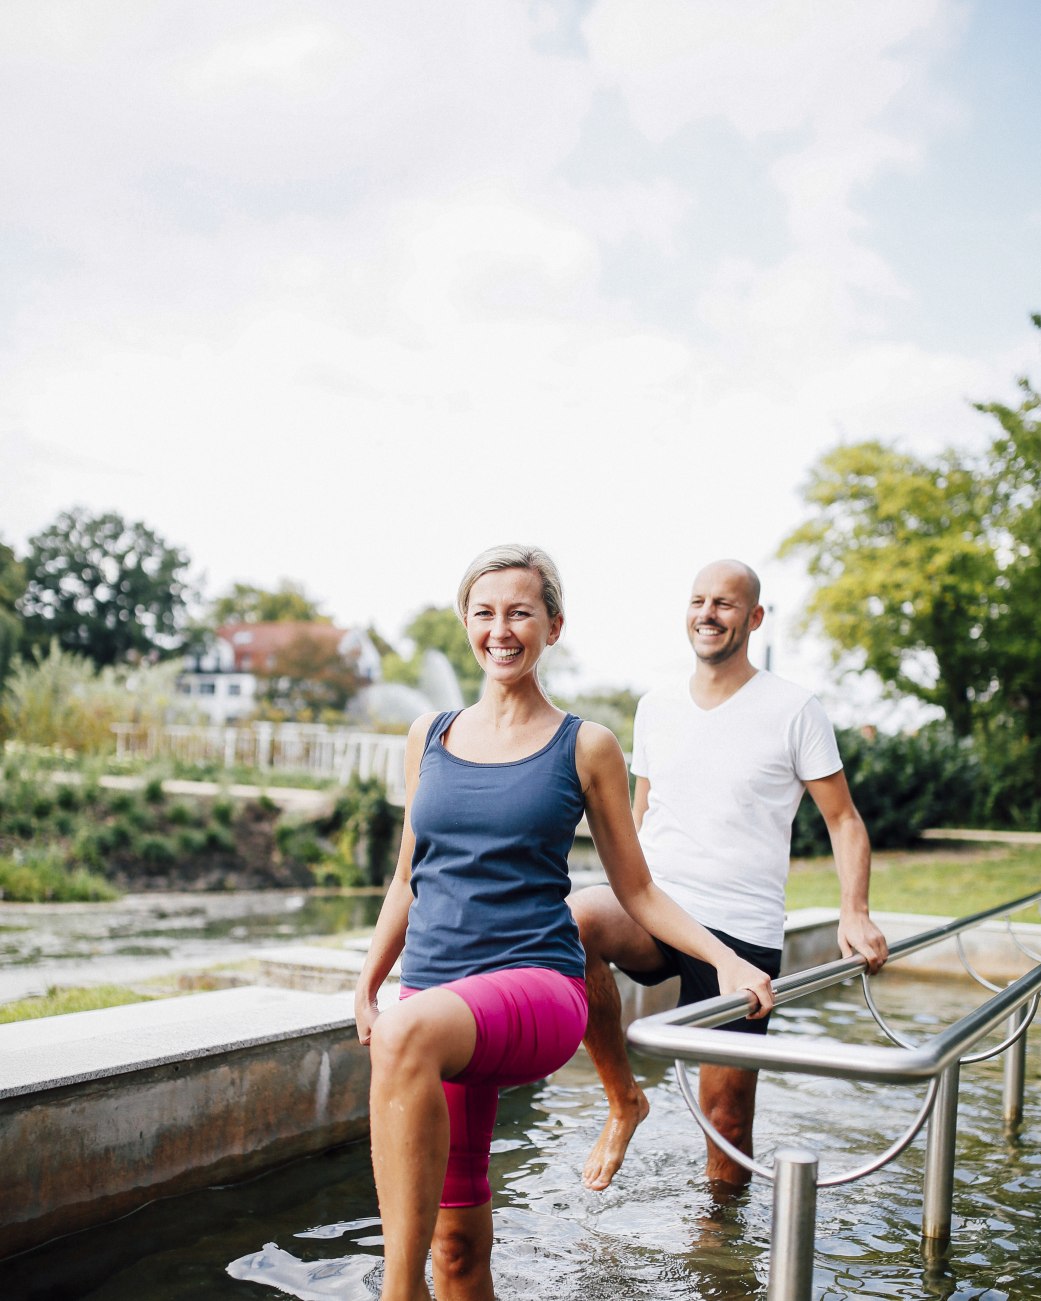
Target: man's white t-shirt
pixel 725 784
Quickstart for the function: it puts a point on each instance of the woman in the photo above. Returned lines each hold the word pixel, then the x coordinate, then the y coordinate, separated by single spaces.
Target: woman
pixel 492 974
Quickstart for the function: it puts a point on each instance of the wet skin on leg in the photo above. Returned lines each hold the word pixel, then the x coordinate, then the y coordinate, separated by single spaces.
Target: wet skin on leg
pixel 726 1095
pixel 609 935
pixel 415 1045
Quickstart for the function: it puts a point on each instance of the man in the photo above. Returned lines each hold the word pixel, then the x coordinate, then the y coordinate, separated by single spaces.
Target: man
pixel 721 762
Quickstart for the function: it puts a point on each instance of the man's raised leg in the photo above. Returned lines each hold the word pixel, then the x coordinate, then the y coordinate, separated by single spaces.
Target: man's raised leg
pixel 609 935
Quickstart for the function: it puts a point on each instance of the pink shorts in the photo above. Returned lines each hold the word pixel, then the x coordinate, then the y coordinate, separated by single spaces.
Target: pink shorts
pixel 530 1021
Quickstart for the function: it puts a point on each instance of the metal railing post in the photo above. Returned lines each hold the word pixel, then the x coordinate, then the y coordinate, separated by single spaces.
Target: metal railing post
pixel 939 1158
pixel 794 1225
pixel 1015 1070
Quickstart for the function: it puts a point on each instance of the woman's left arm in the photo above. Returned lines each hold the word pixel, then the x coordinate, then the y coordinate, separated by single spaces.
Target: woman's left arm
pixel 605 783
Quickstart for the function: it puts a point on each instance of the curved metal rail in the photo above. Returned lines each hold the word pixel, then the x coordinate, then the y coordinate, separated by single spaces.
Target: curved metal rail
pixel 688 1034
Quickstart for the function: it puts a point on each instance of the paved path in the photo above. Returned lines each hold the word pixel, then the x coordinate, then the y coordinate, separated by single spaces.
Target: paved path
pixel 291 799
pixel 994 837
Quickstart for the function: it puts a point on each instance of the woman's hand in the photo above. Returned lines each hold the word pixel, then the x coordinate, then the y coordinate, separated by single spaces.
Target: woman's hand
pixel 365 1014
pixel 736 976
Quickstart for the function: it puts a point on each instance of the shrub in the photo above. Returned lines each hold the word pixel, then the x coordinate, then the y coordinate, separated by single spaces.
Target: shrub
pixel 156 850
pixel 120 801
pixel 69 798
pixel 41 877
pixel 1007 792
pixel 63 823
pixel 153 792
pixel 364 824
pixel 42 807
pixel 900 784
pixel 180 815
pixel 223 811
pixel 20 825
pixel 191 841
pixel 219 838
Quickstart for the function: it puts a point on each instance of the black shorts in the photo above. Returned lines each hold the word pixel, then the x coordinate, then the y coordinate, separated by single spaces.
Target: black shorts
pixel 698 979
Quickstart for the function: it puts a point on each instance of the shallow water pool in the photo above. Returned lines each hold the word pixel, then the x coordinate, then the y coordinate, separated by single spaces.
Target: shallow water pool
pixel 311 1229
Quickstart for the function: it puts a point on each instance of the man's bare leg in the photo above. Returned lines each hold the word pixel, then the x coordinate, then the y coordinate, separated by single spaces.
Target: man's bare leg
pixel 609 935
pixel 727 1097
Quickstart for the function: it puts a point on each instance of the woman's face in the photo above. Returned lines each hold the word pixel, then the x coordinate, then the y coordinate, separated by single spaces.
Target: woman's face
pixel 508 624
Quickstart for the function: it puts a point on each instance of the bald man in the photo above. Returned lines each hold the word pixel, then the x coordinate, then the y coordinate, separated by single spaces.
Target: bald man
pixel 721 762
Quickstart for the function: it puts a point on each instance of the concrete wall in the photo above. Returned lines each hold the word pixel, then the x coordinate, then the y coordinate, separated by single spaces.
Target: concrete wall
pixel 100 1112
pixel 88 1133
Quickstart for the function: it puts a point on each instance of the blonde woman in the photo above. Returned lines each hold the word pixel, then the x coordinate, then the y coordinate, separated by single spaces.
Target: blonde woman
pixel 493 991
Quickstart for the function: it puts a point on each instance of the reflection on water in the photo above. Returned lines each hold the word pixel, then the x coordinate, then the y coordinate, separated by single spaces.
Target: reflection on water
pixel 310 1229
pixel 141 936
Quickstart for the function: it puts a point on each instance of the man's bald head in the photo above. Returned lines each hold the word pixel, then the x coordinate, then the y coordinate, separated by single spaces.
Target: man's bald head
pixel 732 569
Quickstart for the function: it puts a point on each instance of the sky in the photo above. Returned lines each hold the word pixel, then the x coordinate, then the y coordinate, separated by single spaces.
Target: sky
pixel 346 293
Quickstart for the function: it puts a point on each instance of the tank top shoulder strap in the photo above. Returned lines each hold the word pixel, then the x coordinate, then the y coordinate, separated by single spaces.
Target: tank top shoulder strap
pixel 439 726
pixel 569 735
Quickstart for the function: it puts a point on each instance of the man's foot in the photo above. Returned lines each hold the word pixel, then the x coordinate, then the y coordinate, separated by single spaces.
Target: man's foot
pixel 609 1149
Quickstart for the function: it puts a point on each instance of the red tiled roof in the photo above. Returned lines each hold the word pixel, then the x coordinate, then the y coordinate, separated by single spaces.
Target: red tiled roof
pixel 256 646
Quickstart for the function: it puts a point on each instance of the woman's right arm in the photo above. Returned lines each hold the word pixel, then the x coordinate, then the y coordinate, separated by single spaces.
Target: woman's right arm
pixel 388 939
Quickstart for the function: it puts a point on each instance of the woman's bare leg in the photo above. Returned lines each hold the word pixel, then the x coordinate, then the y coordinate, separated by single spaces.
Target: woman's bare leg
pixel 416 1044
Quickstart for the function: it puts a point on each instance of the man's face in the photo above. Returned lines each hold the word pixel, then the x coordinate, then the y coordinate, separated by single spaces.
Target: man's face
pixel 721 615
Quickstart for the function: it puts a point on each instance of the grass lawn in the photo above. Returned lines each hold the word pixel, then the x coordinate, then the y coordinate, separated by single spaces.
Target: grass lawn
pixel 946 881
pixel 58 1001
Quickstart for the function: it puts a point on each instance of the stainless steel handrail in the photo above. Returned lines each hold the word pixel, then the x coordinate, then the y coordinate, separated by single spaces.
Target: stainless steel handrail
pixel 683 1034
pixel 688 1034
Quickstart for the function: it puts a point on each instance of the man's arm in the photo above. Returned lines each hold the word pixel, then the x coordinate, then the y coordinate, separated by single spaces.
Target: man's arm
pixel 852 850
pixel 641 794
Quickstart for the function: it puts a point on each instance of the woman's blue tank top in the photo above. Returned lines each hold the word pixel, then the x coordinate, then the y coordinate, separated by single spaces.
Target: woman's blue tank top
pixel 489 872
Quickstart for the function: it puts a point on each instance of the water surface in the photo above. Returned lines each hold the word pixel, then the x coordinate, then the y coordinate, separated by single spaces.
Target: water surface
pixel 656 1234
pixel 143 936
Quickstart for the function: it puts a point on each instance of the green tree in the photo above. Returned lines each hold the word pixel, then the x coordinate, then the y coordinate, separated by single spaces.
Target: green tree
pixel 438 628
pixel 104 588
pixel 1015 484
pixel 928 571
pixel 905 569
pixel 12 585
pixel 244 603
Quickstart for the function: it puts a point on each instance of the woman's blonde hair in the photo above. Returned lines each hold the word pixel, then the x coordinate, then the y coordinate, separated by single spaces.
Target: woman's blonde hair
pixel 512 555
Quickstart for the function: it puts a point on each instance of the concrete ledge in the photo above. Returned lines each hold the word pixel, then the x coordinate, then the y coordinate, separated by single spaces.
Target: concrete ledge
pixel 57 1051
pixel 316 967
pixel 809 940
pixel 990 947
pixel 101 1112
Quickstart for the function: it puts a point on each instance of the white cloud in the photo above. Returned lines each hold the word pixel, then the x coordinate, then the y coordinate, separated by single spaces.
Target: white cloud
pixel 347 292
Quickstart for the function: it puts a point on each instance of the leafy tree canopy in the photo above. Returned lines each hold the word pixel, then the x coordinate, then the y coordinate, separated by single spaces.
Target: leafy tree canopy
pixel 244 603
pixel 104 588
pixel 928 570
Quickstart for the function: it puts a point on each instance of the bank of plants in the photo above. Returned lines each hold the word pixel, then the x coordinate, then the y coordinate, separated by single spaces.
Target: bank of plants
pixel 352 846
pixel 67 837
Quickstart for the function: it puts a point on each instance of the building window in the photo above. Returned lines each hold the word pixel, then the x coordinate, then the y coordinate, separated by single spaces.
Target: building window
pixel 207 688
pixel 234 688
